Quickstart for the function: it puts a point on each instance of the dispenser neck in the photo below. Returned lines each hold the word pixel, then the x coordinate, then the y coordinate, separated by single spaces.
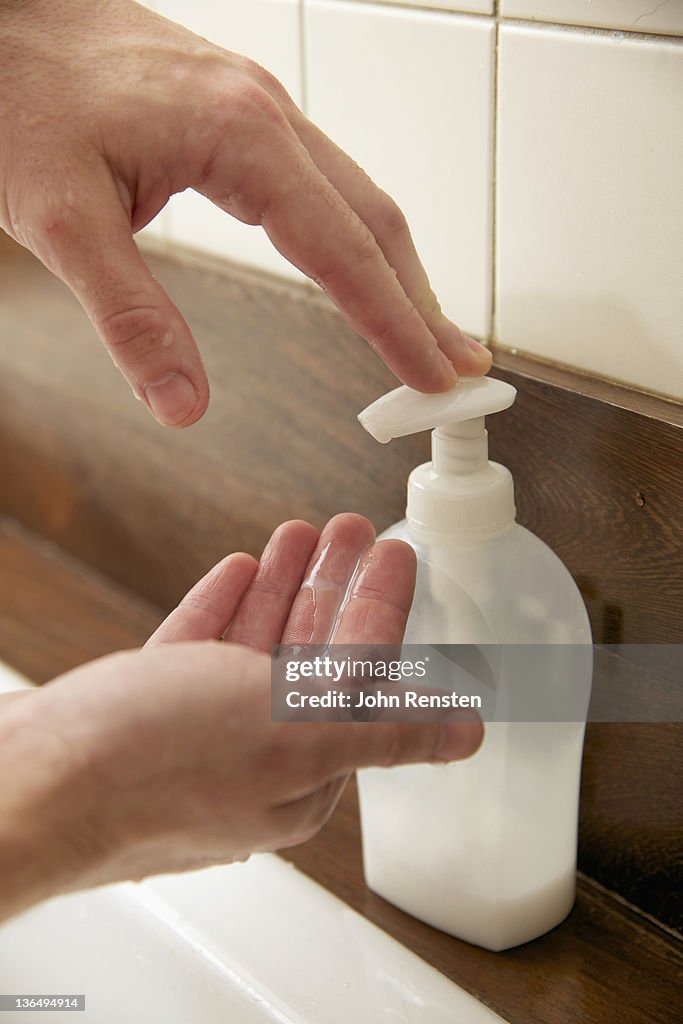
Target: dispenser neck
pixel 460 494
pixel 460 448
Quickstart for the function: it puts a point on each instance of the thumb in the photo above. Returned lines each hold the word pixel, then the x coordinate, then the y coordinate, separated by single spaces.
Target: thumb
pixel 91 248
pixel 386 744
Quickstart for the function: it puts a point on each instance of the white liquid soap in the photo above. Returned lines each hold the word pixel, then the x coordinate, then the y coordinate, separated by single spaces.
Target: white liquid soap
pixel 485 848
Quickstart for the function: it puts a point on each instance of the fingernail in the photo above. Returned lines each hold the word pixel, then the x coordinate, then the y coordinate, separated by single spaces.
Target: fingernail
pixel 460 739
pixel 477 347
pixel 171 398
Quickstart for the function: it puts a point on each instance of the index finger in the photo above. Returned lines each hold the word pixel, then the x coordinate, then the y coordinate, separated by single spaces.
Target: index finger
pixel 388 224
pixel 313 227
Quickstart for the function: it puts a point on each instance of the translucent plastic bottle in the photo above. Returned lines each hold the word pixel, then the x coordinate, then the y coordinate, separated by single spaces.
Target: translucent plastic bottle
pixel 484 849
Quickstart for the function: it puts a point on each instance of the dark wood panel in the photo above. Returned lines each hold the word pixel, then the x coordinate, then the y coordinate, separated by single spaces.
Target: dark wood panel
pixel 630 820
pixel 598 471
pixel 598 474
pixel 55 615
pixel 604 965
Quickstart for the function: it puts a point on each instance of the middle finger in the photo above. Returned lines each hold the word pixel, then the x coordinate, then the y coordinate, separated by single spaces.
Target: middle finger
pixel 330 570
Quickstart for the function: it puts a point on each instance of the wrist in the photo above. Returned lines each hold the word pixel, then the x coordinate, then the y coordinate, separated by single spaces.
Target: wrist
pixel 47 844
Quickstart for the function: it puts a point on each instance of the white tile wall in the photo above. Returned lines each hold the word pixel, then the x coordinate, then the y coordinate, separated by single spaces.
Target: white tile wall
pixel 589 225
pixel 268 31
pixel 467 6
pixel 633 15
pixel 409 94
pixel 590 205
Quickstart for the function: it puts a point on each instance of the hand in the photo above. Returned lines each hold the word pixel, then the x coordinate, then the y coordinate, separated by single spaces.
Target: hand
pixel 107 109
pixel 166 759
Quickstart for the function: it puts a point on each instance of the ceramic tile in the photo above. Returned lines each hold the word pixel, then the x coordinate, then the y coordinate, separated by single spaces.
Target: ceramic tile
pixel 633 15
pixel 589 222
pixel 268 31
pixel 463 6
pixel 419 120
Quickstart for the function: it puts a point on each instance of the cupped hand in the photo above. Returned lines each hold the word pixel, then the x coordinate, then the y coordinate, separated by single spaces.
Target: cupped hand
pixel 166 759
pixel 107 109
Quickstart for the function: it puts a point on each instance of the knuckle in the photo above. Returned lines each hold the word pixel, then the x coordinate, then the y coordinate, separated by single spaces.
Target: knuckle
pixel 47 228
pixel 391 217
pixel 365 593
pixel 266 79
pixel 389 748
pixel 253 105
pixel 52 213
pixel 201 602
pixel 366 247
pixel 51 224
pixel 404 743
pixel 378 336
pixel 368 592
pixel 363 250
pixel 133 331
pixel 433 306
pixel 270 586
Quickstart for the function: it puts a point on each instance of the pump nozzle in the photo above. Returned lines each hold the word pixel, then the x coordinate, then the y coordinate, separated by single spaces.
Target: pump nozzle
pixel 405 411
pixel 459 491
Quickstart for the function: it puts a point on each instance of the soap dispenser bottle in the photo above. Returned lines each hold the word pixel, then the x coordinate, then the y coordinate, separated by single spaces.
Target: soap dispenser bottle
pixel 485 848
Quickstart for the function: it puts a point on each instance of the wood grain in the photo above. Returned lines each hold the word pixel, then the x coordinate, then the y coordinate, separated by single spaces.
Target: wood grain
pixel 604 965
pixel 598 475
pixel 598 471
pixel 56 614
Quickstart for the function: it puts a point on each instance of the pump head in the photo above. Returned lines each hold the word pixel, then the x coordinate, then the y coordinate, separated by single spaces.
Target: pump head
pixel 459 491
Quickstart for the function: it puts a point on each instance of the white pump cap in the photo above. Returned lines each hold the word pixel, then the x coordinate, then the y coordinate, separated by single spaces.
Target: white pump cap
pixel 459 491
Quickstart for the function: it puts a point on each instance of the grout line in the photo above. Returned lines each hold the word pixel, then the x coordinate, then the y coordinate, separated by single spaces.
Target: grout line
pixel 603 31
pixel 397 5
pixel 598 30
pixel 449 11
